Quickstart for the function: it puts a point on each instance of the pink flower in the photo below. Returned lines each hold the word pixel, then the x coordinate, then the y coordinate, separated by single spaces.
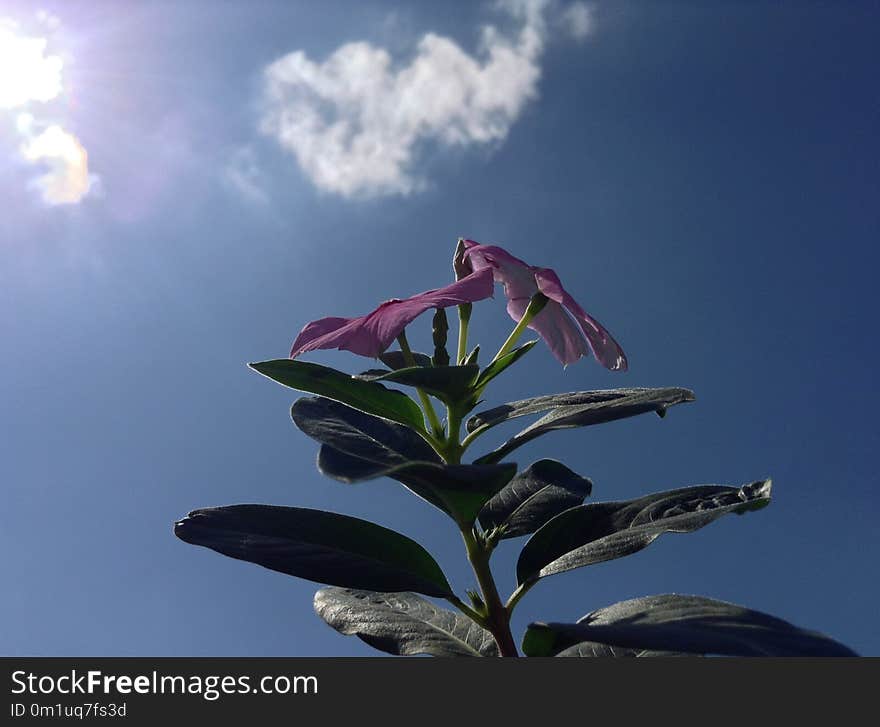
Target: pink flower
pixel 371 334
pixel 563 324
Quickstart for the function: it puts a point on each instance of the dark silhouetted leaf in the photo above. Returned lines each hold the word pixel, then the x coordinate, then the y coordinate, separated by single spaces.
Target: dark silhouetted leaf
pixel 450 384
pixel 396 359
pixel 686 624
pixel 402 623
pixel 497 367
pixel 360 447
pixel 359 434
pixel 458 490
pixel 362 395
pixel 603 531
pixel 541 404
pixel 576 409
pixel 589 650
pixel 319 546
pixel 538 493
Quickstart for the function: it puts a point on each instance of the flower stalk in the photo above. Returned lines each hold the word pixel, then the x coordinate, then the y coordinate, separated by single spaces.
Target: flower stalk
pixel 464 319
pixel 536 305
pixel 436 426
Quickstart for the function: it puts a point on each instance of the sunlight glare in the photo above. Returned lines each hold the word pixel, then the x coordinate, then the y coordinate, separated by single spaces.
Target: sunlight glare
pixel 26 72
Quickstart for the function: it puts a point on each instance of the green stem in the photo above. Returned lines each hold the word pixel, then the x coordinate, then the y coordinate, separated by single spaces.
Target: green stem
pixel 497 619
pixel 536 305
pixel 453 447
pixel 436 426
pixel 464 319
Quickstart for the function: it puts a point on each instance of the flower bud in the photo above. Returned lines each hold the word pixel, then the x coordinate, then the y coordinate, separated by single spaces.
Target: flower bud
pixel 461 264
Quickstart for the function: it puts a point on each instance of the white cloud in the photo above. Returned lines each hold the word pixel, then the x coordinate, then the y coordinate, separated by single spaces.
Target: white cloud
pixel 31 78
pixel 578 19
pixel 67 180
pixel 355 122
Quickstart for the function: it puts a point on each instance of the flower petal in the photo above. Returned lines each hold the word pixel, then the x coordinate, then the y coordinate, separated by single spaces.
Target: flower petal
pixel 566 328
pixel 517 277
pixel 606 350
pixel 323 333
pixel 371 334
pixel 561 333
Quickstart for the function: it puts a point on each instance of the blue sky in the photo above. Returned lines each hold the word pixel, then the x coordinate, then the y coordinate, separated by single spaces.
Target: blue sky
pixel 703 176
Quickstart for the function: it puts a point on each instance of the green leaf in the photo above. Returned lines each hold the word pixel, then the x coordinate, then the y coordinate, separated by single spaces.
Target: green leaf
pixel 360 447
pixel 656 399
pixel 472 358
pixel 319 546
pixel 691 624
pixel 450 384
pixel 575 409
pixel 362 395
pixel 594 533
pixel 538 493
pixel 459 490
pixel 396 360
pixel 496 367
pixel 358 433
pixel 590 650
pixel 347 468
pixel 402 623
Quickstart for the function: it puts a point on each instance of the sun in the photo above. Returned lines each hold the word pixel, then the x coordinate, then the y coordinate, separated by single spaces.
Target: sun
pixel 27 73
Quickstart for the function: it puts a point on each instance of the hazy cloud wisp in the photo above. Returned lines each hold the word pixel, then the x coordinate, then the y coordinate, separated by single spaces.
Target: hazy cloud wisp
pixel 578 19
